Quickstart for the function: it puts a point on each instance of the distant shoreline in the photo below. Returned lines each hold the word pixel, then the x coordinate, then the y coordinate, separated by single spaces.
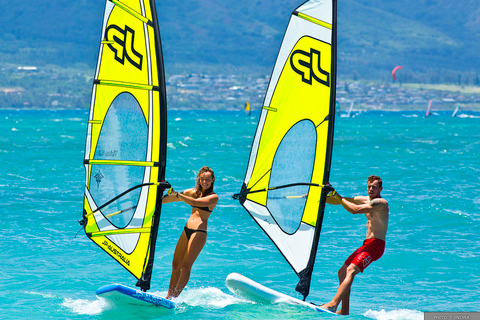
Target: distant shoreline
pixel 358 109
pixel 395 108
pixel 71 89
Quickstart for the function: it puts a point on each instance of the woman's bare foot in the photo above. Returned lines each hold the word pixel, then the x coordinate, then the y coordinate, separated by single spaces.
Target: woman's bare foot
pixel 328 307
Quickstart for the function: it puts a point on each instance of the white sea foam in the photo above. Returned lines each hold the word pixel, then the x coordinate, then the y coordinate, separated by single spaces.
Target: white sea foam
pixel 209 297
pixel 399 314
pixel 82 306
pixel 43 295
pixel 20 177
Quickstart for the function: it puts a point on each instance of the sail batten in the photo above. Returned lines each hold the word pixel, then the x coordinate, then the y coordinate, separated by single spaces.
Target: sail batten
pixel 311 19
pixel 121 231
pixel 270 109
pixel 125 152
pixel 124 163
pixel 285 185
pixel 127 85
pixel 135 14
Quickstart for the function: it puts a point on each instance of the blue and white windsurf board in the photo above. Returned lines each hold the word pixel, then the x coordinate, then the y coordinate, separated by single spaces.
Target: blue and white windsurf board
pixel 120 294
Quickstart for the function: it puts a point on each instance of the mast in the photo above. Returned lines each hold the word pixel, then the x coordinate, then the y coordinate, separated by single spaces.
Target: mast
pixel 144 281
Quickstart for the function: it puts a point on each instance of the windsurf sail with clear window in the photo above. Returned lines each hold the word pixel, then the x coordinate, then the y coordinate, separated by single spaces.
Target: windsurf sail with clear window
pixel 126 138
pixel 290 157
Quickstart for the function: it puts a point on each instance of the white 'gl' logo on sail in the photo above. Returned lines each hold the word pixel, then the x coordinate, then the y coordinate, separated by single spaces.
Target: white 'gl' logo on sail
pixel 307 64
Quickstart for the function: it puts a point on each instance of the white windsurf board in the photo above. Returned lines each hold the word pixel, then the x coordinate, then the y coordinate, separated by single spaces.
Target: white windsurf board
pixel 252 290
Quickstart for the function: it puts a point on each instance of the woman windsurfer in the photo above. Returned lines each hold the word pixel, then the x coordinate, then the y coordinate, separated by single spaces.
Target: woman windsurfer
pixel 194 235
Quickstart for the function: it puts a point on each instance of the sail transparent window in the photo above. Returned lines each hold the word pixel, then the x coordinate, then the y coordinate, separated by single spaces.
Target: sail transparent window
pixel 293 163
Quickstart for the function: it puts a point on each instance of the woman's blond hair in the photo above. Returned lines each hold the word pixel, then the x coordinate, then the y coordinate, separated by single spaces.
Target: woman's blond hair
pixel 198 187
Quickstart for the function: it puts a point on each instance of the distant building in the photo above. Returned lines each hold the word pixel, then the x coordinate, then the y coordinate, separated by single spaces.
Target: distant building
pixel 12 90
pixel 27 68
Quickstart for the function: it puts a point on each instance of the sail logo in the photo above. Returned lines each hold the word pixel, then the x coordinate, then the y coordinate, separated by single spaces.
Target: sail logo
pixel 149 298
pixel 98 178
pixel 107 153
pixel 115 252
pixel 307 64
pixel 121 42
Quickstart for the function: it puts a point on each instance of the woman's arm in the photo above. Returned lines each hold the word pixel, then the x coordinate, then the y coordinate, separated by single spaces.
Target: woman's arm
pixel 172 197
pixel 210 200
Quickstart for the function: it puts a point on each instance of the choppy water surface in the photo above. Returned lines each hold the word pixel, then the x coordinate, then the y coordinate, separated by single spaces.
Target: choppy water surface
pixel 430 167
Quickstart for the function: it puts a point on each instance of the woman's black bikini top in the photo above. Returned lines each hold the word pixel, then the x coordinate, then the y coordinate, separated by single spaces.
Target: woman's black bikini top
pixel 203 208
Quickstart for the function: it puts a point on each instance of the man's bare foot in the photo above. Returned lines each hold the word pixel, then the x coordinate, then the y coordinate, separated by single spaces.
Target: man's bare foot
pixel 342 313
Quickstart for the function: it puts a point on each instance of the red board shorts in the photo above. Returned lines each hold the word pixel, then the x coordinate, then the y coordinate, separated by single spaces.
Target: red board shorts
pixel 371 250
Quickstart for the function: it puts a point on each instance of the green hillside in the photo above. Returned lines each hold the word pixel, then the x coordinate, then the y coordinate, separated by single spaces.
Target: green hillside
pixel 429 39
pixel 436 41
pixel 374 35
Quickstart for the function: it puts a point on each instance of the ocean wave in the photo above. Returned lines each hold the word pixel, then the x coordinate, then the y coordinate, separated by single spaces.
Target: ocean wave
pixel 85 307
pixel 399 314
pixel 209 297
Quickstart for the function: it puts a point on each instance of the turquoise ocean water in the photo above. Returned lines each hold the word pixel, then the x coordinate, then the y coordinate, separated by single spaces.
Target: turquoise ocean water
pixel 431 172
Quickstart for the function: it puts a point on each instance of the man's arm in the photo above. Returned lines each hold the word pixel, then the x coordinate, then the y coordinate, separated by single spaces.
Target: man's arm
pixel 361 204
pixel 331 198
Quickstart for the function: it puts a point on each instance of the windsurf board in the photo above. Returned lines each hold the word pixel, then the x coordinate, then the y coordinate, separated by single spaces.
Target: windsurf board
pixel 252 290
pixel 120 294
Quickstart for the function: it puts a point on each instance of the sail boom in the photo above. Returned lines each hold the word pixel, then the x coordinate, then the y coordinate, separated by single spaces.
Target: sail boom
pixel 238 195
pixel 164 185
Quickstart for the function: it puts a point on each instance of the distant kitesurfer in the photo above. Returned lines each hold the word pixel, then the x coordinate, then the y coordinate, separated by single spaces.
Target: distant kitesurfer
pixel 375 209
pixel 194 235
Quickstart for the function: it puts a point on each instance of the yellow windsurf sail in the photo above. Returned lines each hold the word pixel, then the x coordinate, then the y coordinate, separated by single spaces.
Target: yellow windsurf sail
pixel 126 138
pixel 247 108
pixel 291 153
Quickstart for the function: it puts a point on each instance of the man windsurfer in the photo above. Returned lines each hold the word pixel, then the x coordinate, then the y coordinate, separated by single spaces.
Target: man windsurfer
pixel 375 209
pixel 194 235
